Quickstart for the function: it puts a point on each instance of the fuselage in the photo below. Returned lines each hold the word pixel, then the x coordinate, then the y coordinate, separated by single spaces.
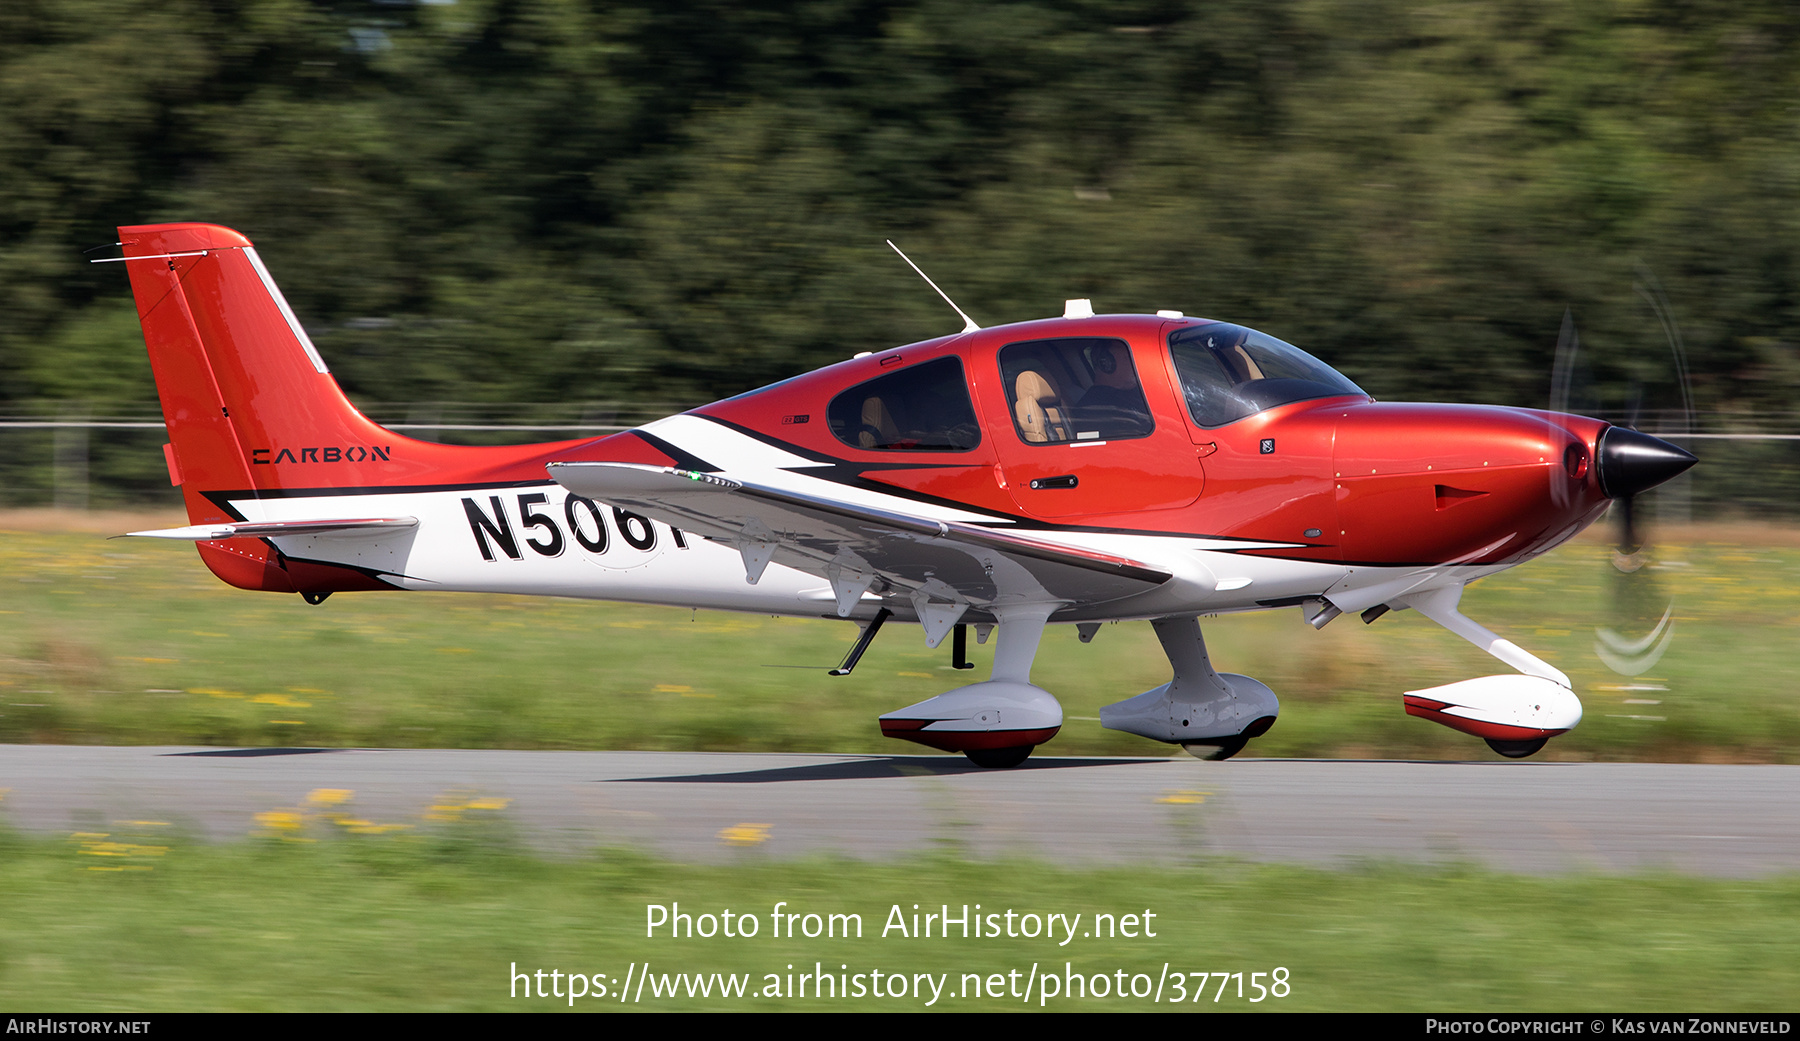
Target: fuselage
pixel 1126 434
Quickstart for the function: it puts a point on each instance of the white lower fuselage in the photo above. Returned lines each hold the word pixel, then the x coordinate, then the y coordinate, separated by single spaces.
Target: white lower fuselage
pixel 481 540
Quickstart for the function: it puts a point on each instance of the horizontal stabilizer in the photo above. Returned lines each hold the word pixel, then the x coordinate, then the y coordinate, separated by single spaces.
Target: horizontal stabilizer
pixel 272 529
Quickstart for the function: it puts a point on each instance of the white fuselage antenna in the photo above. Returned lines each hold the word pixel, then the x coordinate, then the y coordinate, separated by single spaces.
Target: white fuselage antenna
pixel 969 325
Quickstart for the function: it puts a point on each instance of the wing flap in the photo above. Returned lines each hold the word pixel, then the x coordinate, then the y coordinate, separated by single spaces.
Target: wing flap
pixel 947 559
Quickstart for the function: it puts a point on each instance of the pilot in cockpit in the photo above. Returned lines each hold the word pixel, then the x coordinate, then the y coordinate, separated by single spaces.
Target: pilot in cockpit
pixel 1114 406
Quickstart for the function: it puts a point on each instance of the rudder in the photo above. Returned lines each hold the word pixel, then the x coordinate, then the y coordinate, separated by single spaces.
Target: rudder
pixel 249 402
pixel 253 411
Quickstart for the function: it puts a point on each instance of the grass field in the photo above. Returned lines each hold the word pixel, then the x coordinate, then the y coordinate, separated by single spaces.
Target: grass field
pixel 439 920
pixel 134 642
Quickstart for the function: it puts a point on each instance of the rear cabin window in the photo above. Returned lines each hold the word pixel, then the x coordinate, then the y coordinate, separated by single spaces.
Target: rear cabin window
pixel 923 408
pixel 1074 389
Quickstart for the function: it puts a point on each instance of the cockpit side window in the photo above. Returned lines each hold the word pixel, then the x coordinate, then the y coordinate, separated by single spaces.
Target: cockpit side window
pixel 1074 389
pixel 923 408
pixel 1228 372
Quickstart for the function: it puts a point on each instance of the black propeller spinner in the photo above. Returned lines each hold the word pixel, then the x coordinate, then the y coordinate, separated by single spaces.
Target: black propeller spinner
pixel 1631 462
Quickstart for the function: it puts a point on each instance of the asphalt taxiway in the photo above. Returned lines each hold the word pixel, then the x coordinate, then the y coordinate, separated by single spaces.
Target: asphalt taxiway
pixel 1534 817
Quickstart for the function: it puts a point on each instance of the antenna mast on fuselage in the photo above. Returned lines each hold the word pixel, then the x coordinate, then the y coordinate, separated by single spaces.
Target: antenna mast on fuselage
pixel 969 325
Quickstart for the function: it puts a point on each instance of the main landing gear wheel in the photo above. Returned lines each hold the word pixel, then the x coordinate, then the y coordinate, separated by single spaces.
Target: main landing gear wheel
pixel 1217 750
pixel 1516 749
pixel 1223 748
pixel 999 758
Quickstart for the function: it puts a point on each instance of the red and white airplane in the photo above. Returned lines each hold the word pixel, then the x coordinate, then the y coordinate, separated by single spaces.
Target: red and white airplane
pixel 1079 470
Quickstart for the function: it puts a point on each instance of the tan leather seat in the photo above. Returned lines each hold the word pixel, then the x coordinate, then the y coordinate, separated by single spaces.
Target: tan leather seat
pixel 877 425
pixel 1038 408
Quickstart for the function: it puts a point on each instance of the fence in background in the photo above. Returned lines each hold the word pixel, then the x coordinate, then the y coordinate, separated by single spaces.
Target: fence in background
pixel 59 454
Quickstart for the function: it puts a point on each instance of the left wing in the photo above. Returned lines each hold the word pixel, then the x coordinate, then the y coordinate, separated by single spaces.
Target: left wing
pixel 944 567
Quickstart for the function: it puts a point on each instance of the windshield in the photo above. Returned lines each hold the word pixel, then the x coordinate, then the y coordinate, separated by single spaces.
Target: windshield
pixel 1229 372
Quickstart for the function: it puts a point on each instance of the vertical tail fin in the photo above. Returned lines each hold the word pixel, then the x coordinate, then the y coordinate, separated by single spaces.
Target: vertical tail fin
pixel 253 412
pixel 249 403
